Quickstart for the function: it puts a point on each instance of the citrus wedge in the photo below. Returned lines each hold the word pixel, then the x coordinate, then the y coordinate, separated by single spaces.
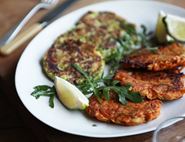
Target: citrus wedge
pixel 70 95
pixel 175 27
pixel 160 28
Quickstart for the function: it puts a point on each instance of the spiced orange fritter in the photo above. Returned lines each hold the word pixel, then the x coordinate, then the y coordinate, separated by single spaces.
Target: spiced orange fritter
pixel 163 58
pixel 154 85
pixel 129 115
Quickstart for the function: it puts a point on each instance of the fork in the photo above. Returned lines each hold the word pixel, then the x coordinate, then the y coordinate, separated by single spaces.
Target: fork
pixel 44 4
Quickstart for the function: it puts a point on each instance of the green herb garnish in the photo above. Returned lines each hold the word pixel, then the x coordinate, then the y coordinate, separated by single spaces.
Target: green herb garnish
pixel 90 85
pixel 146 39
pixel 105 85
pixel 44 90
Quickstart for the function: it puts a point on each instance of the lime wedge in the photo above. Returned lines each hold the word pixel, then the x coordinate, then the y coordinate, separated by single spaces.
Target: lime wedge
pixel 70 95
pixel 160 28
pixel 175 27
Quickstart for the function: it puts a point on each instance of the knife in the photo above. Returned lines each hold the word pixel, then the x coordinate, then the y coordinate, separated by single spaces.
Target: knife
pixel 35 28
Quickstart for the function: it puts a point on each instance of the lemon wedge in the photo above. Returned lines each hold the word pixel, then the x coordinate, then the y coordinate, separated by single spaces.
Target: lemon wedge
pixel 170 27
pixel 175 27
pixel 70 95
pixel 160 28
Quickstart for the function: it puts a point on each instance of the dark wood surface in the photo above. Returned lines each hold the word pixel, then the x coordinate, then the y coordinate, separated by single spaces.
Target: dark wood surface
pixel 16 123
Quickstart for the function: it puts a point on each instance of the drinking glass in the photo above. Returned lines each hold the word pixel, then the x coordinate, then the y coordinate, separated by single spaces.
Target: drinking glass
pixel 171 130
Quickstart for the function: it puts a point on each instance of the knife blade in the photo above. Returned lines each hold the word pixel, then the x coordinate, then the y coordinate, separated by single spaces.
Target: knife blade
pixel 35 28
pixel 48 18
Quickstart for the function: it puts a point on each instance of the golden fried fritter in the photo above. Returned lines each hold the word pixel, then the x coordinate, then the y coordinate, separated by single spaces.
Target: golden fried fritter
pixel 99 38
pixel 163 58
pixel 129 115
pixel 154 85
pixel 102 29
pixel 58 59
pixel 105 20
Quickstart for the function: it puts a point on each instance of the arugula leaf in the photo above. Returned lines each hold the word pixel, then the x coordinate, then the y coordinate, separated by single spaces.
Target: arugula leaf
pixel 51 101
pixel 105 85
pixel 122 99
pixel 135 97
pixel 90 81
pixel 147 40
pixel 80 70
pixel 115 82
pixel 106 93
pixel 145 31
pixel 44 90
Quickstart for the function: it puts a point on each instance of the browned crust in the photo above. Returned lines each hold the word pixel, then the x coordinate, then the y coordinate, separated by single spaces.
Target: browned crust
pixel 103 20
pixel 128 115
pixel 72 52
pixel 154 85
pixel 164 58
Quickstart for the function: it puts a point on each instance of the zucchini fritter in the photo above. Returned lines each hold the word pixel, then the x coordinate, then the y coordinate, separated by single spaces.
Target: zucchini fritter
pixel 129 115
pixel 164 58
pixel 107 21
pixel 57 61
pixel 154 85
pixel 103 29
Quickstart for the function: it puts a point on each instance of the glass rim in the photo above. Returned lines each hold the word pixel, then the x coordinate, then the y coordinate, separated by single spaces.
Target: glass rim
pixel 162 125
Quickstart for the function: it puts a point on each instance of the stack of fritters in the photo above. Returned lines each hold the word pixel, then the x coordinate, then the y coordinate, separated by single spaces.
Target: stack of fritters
pixel 155 75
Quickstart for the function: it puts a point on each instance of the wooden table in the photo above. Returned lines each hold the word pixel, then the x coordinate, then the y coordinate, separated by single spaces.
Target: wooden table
pixel 16 123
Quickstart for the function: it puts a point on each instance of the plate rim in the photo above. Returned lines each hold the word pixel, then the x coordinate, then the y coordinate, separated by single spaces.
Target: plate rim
pixel 90 5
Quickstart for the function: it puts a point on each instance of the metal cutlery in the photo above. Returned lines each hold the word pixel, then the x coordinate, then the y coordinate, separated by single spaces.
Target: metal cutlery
pixel 35 28
pixel 44 4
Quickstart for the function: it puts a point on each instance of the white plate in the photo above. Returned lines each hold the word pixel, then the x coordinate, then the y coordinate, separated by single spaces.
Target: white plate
pixel 29 72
